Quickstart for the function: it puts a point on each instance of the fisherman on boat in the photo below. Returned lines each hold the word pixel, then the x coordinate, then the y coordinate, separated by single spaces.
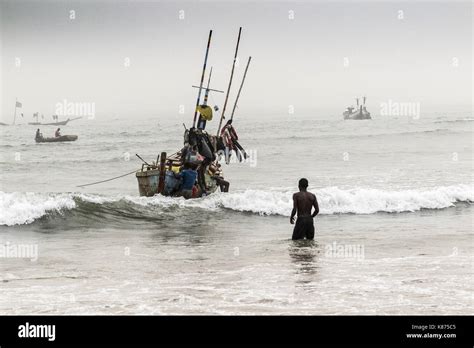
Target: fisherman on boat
pixel 198 150
pixel 303 202
pixel 216 174
pixel 38 134
pixel 189 176
pixel 57 134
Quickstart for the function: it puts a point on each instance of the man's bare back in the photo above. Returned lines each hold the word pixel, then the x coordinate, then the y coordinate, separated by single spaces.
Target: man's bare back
pixel 304 201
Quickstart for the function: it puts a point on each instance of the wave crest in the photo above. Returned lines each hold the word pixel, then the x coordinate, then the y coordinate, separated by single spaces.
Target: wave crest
pixel 26 207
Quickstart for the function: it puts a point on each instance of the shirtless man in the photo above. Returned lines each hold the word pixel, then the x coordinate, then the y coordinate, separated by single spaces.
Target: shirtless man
pixel 303 202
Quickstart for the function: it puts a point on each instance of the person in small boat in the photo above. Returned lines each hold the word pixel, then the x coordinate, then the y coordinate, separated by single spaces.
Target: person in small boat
pixel 189 176
pixel 38 134
pixel 303 202
pixel 57 133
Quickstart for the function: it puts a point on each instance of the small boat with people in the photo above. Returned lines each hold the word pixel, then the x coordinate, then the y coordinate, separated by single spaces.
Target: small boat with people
pixel 195 170
pixel 57 139
pixel 39 138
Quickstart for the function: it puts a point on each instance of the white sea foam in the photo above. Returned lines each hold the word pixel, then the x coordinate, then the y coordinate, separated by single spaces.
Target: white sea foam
pixel 333 200
pixel 24 208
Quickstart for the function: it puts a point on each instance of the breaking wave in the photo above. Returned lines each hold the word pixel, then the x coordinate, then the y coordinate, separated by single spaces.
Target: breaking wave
pixel 19 208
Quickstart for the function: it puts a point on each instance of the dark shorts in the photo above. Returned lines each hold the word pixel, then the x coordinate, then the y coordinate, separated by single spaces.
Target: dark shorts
pixel 304 227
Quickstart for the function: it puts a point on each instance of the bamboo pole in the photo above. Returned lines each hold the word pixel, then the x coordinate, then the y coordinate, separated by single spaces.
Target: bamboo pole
pixel 202 78
pixel 230 83
pixel 240 89
pixel 206 94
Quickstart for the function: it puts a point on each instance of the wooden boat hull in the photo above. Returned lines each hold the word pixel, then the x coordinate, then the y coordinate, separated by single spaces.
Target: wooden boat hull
pixel 153 180
pixel 359 115
pixel 62 138
pixel 148 182
pixel 60 123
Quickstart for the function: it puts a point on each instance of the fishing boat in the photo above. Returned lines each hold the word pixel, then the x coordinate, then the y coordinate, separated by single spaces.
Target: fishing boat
pixel 58 123
pixel 201 150
pixel 56 139
pixel 357 113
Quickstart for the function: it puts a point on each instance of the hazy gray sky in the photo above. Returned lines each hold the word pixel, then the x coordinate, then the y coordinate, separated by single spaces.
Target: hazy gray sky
pixel 296 61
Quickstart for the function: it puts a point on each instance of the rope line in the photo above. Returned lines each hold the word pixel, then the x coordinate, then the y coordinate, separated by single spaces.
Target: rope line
pixel 99 182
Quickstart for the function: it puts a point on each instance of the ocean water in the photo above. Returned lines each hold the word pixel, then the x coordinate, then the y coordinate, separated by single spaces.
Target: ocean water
pixel 394 235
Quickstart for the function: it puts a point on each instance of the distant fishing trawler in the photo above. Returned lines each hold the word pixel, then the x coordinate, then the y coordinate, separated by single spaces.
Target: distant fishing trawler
pixel 357 113
pixel 201 151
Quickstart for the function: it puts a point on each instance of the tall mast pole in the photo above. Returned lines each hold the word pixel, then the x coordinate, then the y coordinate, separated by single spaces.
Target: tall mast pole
pixel 14 115
pixel 240 89
pixel 230 82
pixel 202 78
pixel 206 94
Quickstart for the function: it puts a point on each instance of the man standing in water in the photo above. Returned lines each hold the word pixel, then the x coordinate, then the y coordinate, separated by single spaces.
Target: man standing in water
pixel 303 202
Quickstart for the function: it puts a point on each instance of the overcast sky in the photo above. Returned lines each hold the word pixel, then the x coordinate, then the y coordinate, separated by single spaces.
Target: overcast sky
pixel 425 57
